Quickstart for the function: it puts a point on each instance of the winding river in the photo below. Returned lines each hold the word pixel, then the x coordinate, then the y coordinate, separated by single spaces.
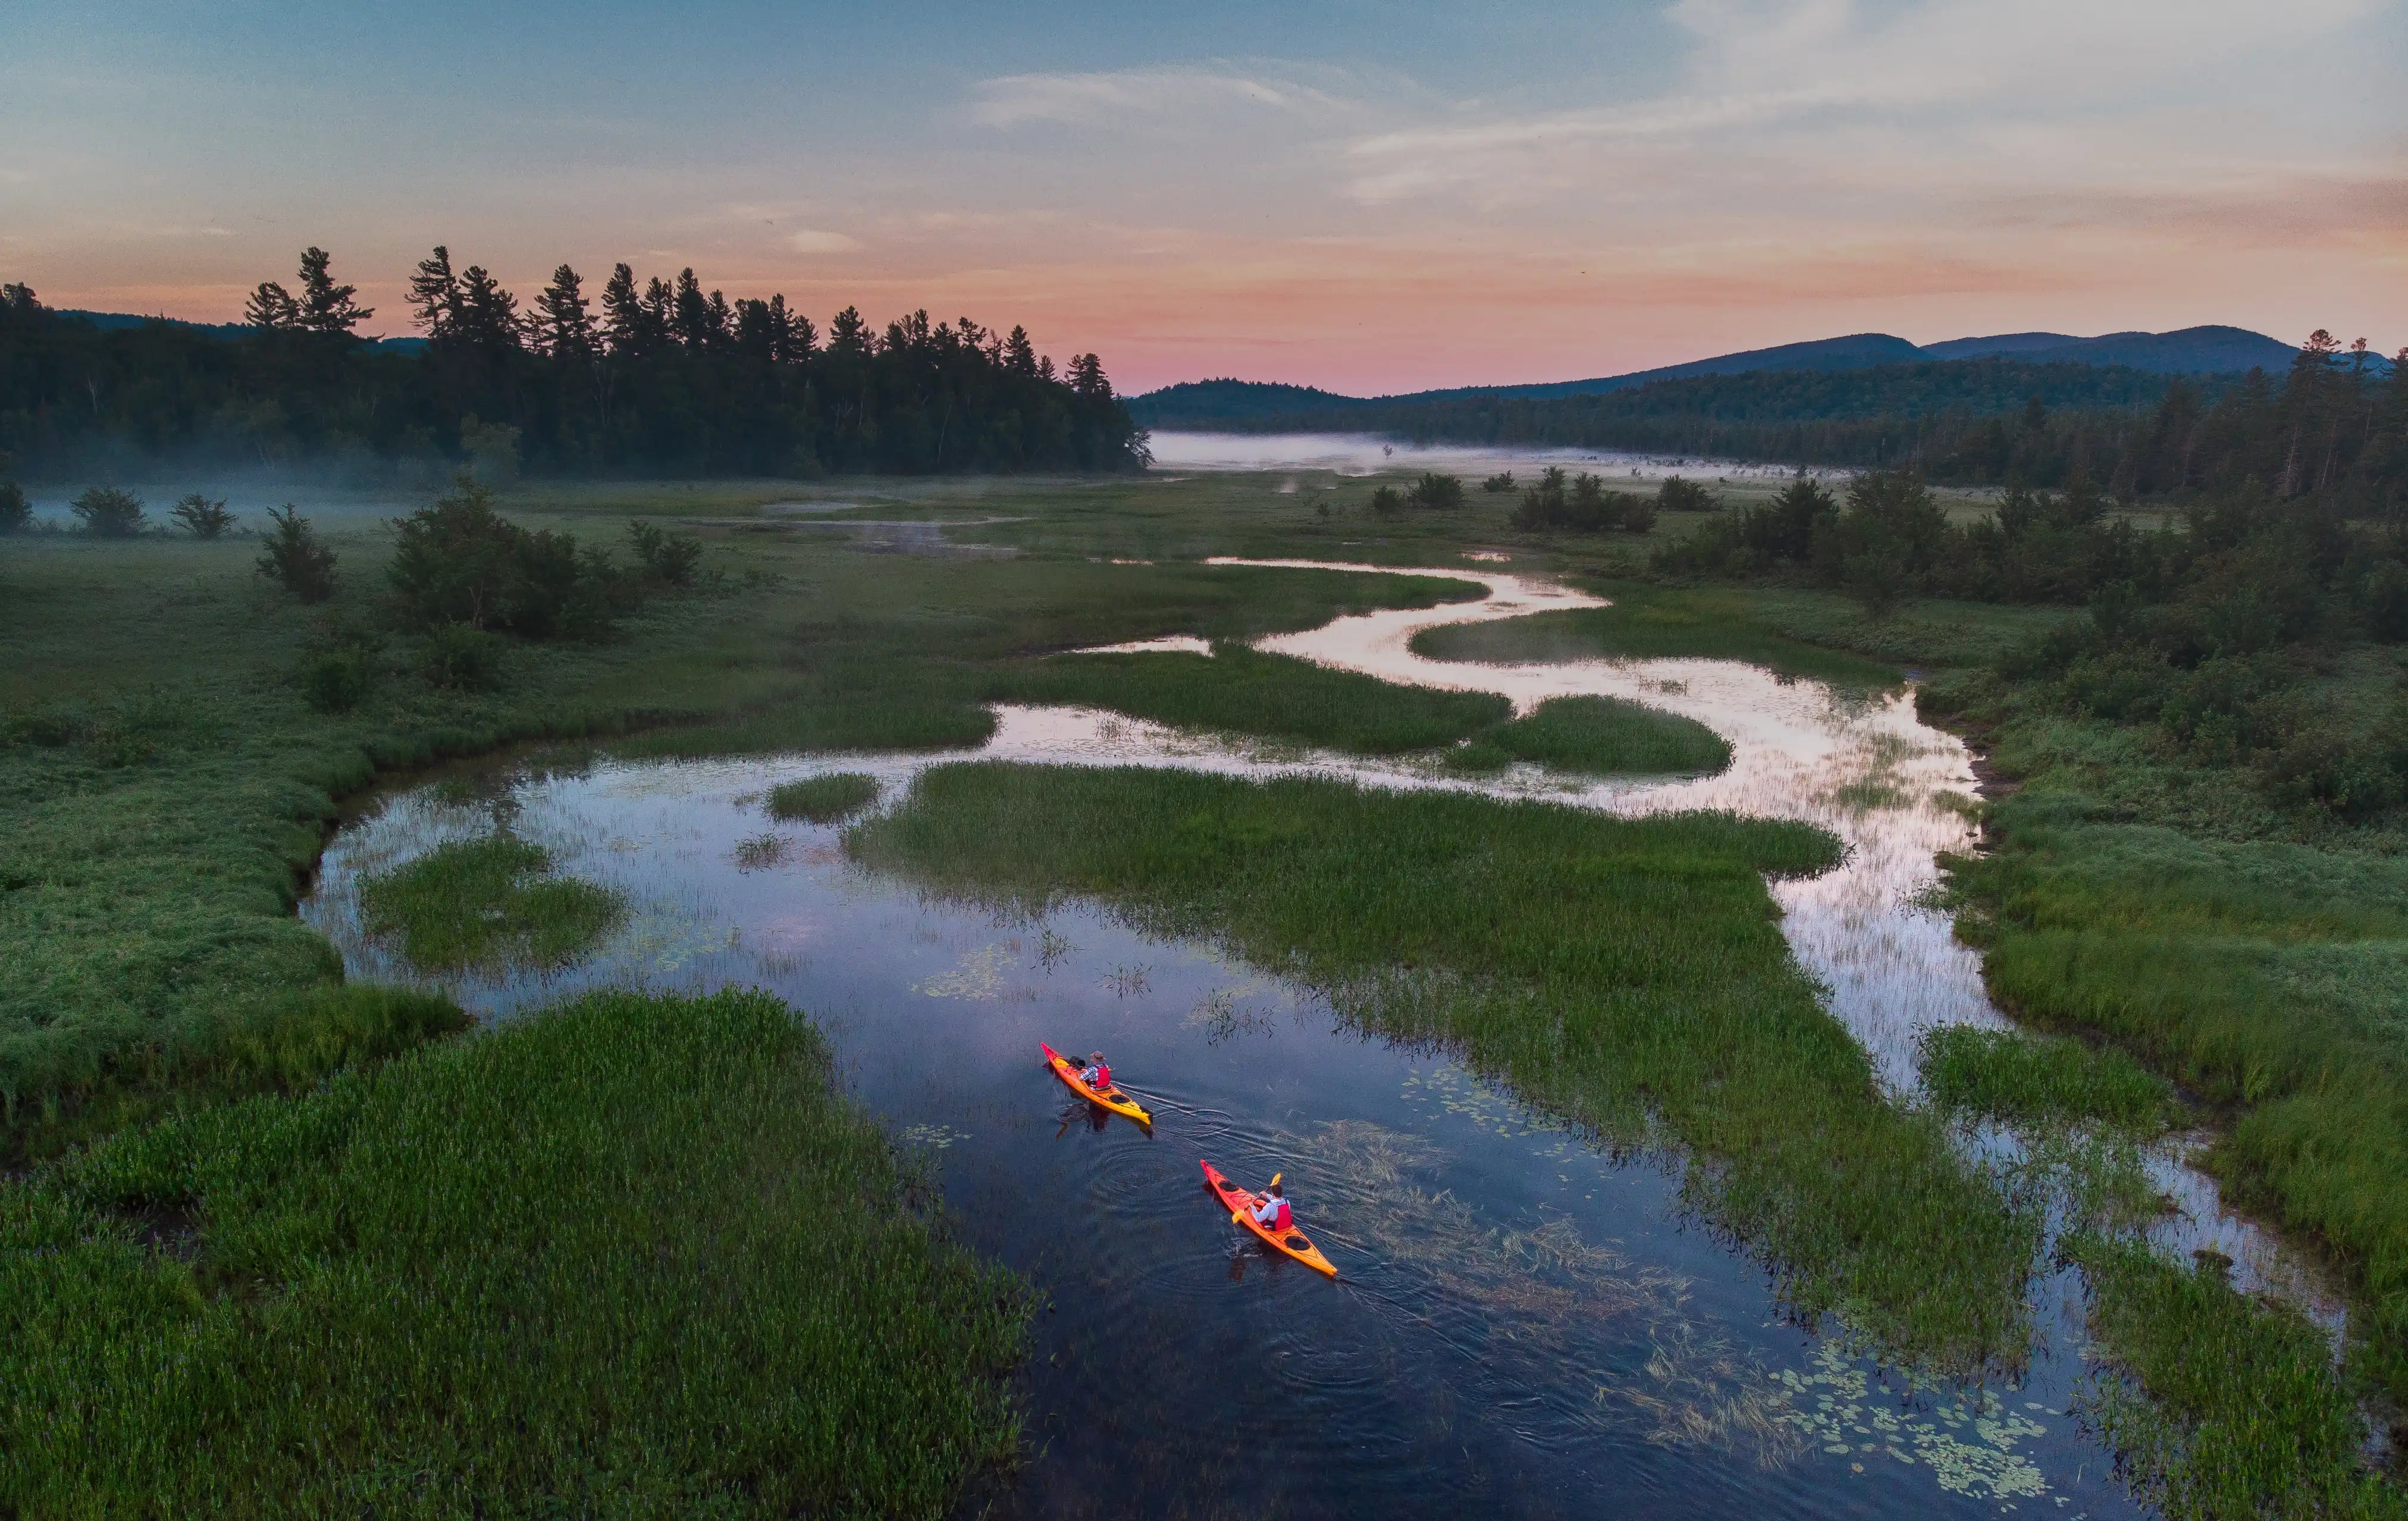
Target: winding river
pixel 1524 1324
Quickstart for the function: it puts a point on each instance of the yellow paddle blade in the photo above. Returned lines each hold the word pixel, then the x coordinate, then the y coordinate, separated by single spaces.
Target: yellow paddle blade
pixel 1237 1217
pixel 1276 1177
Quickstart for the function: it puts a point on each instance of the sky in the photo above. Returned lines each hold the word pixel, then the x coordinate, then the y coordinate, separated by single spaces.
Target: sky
pixel 1370 197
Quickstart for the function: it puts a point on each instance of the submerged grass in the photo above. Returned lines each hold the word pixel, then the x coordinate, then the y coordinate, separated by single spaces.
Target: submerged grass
pixel 1627 975
pixel 823 799
pixel 1271 697
pixel 487 903
pixel 1649 623
pixel 632 1256
pixel 2041 1080
pixel 1608 737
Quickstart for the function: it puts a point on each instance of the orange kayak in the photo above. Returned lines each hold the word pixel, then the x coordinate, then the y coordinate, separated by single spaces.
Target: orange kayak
pixel 1112 1098
pixel 1292 1241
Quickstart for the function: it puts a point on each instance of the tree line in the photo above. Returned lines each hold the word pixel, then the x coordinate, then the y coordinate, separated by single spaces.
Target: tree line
pixel 655 378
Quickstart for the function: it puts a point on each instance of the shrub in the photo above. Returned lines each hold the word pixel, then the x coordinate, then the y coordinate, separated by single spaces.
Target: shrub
pixel 460 658
pixel 1498 483
pixel 669 558
pixel 16 513
pixel 202 517
pixel 294 556
pixel 1437 493
pixel 1388 502
pixel 1581 504
pixel 109 512
pixel 337 679
pixel 1678 495
pixel 458 561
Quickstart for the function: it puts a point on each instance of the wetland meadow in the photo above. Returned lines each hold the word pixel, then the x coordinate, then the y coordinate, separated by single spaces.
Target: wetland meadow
pixel 607 1083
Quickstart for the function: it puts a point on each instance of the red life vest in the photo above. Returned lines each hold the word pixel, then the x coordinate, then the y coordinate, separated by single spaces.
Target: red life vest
pixel 1279 1220
pixel 1103 1078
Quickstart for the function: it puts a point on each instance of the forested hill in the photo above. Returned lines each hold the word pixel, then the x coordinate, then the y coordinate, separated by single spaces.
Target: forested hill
pixel 653 377
pixel 2190 351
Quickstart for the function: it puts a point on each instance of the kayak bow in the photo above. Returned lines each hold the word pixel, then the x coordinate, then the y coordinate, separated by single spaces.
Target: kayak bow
pixel 1241 1204
pixel 1112 1098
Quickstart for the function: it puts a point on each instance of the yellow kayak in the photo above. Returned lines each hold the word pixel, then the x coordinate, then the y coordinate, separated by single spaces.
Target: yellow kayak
pixel 1112 1098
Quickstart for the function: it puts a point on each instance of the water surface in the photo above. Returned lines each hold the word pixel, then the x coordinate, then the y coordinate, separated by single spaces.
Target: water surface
pixel 1523 1323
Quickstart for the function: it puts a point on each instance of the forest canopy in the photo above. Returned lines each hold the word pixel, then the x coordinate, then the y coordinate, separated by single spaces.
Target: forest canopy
pixel 651 377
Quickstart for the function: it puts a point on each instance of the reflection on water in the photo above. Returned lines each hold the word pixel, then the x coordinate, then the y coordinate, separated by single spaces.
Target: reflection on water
pixel 1522 1325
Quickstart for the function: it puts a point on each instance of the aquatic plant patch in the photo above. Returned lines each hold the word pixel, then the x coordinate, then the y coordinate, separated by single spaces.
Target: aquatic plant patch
pixel 1627 975
pixel 633 1256
pixel 487 903
pixel 1608 737
pixel 2044 1079
pixel 823 799
pixel 1242 691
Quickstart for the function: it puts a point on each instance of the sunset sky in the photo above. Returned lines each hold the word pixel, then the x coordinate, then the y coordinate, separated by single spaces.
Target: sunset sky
pixel 1369 197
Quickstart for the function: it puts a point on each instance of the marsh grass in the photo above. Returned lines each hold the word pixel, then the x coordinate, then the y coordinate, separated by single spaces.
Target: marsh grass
pixel 2041 1080
pixel 1625 974
pixel 823 799
pixel 1237 690
pixel 2219 1408
pixel 633 1256
pixel 1649 623
pixel 1608 737
pixel 485 904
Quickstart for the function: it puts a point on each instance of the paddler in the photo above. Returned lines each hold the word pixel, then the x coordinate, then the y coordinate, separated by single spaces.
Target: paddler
pixel 1097 1073
pixel 1270 1211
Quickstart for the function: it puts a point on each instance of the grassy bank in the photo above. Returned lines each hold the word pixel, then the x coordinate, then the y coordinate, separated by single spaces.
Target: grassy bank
pixel 633 1256
pixel 487 904
pixel 165 781
pixel 1627 974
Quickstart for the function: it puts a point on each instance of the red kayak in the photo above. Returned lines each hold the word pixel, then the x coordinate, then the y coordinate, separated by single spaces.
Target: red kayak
pixel 1291 1241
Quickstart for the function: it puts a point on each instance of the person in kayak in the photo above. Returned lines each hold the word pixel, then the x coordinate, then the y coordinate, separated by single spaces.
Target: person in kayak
pixel 1270 1211
pixel 1097 1073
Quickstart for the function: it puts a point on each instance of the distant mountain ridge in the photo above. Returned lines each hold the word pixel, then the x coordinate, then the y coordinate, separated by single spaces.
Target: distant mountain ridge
pixel 109 322
pixel 2192 350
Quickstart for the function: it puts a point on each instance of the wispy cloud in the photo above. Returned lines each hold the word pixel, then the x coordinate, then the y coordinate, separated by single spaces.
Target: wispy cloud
pixel 1094 99
pixel 816 240
pixel 1764 74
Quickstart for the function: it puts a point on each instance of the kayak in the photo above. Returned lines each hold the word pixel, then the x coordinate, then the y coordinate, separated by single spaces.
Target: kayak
pixel 1112 1098
pixel 1292 1240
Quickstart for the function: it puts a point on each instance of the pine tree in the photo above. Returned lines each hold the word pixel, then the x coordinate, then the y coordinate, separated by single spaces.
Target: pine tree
pixel 692 318
pixel 270 308
pixel 660 314
pixel 564 323
pixel 487 316
pixel 325 307
pixel 624 321
pixel 1018 356
pixel 848 335
pixel 435 295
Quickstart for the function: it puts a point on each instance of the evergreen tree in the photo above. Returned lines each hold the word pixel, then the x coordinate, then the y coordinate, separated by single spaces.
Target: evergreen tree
pixel 1018 356
pixel 325 307
pixel 624 321
pixel 270 308
pixel 564 323
pixel 435 296
pixel 692 318
pixel 487 316
pixel 848 335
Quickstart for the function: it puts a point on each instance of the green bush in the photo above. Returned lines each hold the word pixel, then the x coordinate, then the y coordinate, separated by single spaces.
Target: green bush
pixel 107 512
pixel 1437 493
pixel 823 799
pixel 16 513
pixel 1498 483
pixel 458 561
pixel 1678 495
pixel 458 658
pixel 337 679
pixel 1386 502
pixel 294 557
pixel 669 558
pixel 201 516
